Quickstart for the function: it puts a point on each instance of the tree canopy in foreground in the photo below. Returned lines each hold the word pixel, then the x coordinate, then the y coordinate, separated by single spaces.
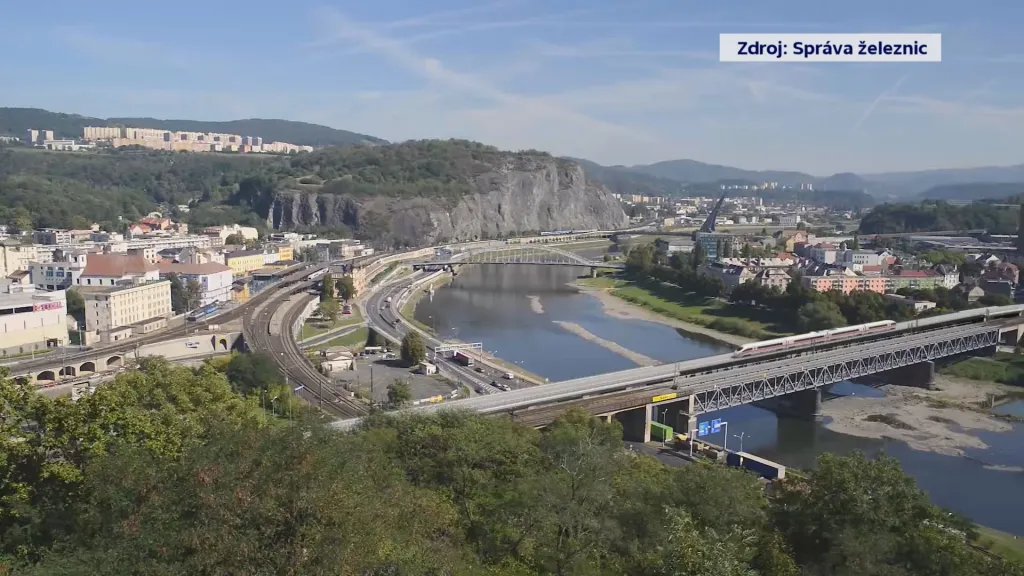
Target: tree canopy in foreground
pixel 169 471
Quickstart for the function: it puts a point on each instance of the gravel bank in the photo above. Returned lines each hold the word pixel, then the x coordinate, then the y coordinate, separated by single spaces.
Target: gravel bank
pixel 535 304
pixel 939 420
pixel 614 347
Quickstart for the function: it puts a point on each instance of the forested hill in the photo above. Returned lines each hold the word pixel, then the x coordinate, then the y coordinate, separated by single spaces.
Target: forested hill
pixel 16 121
pixel 975 191
pixel 397 194
pixel 933 216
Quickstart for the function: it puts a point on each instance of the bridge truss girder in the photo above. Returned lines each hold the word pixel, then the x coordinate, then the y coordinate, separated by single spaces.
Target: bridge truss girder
pixel 781 382
pixel 528 254
pixel 446 348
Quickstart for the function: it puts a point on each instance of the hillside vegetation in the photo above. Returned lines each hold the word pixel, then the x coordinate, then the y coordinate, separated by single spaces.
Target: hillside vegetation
pixel 975 191
pixel 16 121
pixel 931 216
pixel 184 475
pixel 59 189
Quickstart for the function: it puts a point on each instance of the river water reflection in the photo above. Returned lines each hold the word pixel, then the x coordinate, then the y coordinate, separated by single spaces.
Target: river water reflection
pixel 492 305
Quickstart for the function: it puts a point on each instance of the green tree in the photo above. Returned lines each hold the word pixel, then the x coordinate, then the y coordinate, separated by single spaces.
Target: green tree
pixel 46 445
pixel 328 310
pixel 346 288
pixel 697 257
pixel 179 295
pixel 327 288
pixel 640 260
pixel 252 372
pixel 76 304
pixel 235 239
pixel 819 316
pixel 276 500
pixel 858 516
pixel 413 350
pixel 20 220
pixel 193 293
pixel 399 394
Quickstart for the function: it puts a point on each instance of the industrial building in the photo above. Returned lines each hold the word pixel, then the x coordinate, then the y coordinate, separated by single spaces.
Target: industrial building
pixel 31 320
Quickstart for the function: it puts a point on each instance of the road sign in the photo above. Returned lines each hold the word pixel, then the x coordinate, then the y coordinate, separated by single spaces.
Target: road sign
pixel 664 397
pixel 703 429
pixel 716 425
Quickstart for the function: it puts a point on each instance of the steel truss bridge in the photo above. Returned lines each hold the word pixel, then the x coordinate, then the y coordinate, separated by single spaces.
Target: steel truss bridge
pixel 477 347
pixel 531 254
pixel 847 364
pixel 726 380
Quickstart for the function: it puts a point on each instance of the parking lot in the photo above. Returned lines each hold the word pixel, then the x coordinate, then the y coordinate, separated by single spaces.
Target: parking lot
pixel 378 373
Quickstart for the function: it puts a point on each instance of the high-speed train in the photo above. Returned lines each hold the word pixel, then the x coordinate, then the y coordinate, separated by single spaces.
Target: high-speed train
pixel 814 337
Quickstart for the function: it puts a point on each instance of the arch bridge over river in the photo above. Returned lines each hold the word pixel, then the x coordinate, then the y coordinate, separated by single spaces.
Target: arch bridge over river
pixel 518 254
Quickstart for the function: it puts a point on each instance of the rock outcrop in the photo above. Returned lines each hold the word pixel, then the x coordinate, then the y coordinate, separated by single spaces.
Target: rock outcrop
pixel 540 194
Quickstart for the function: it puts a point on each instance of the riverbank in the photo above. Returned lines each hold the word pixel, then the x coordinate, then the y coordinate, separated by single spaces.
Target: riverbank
pixel 939 420
pixel 632 356
pixel 619 308
pixel 408 311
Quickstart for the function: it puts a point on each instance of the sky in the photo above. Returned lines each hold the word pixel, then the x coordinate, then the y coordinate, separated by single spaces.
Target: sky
pixel 612 81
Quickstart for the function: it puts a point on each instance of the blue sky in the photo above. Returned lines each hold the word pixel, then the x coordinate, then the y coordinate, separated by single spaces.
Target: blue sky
pixel 611 81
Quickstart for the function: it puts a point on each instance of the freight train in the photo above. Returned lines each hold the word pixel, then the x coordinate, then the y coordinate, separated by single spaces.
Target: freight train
pixel 815 337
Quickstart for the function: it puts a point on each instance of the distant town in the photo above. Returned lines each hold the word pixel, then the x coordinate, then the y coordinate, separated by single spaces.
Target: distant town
pixel 155 139
pixel 744 240
pixel 135 282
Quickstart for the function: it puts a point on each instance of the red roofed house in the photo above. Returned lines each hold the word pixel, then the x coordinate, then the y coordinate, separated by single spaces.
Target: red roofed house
pixel 111 269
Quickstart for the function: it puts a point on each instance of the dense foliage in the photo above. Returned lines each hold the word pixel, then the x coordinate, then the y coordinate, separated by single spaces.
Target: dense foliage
pixel 16 121
pixel 931 216
pixel 797 308
pixel 975 191
pixel 60 189
pixel 166 471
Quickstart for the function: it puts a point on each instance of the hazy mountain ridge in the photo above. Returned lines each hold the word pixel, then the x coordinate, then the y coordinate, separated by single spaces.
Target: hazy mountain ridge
pixel 15 121
pixel 972 183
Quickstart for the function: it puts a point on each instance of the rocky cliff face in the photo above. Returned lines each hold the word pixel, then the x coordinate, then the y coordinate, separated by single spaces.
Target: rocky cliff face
pixel 545 194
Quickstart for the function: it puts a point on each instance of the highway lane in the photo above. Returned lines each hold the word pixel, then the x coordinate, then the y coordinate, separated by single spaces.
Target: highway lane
pixel 381 316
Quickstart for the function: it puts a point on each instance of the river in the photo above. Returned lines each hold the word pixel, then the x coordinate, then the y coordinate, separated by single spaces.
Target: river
pixel 498 306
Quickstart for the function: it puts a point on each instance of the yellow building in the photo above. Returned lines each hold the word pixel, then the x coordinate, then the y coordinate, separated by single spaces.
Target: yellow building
pixel 284 252
pixel 116 312
pixel 244 262
pixel 240 292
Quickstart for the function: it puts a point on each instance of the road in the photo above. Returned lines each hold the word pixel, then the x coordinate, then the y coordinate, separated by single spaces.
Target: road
pixel 719 372
pixel 282 347
pixel 381 317
pixel 692 377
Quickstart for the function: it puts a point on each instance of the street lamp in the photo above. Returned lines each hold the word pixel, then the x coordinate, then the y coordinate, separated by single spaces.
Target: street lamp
pixel 740 436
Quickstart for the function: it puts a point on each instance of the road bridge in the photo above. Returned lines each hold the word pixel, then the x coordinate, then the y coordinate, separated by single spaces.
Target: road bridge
pixel 528 254
pixel 688 389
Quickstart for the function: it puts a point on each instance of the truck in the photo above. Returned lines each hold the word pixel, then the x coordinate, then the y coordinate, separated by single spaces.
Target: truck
pixel 463 359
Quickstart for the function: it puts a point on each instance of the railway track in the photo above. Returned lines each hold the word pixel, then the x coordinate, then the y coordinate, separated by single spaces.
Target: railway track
pixel 293 363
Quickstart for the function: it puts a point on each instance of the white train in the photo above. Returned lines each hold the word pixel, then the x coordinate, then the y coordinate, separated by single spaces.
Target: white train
pixel 813 337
